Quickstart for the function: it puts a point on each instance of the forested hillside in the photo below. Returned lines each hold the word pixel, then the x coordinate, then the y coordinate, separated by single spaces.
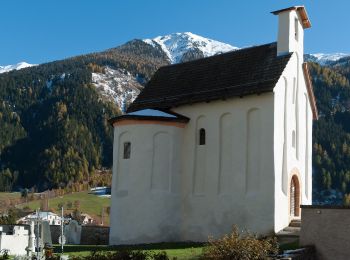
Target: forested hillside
pixel 53 117
pixel 53 120
pixel 331 135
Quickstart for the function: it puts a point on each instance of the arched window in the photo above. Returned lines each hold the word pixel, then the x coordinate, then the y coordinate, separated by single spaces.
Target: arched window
pixel 202 136
pixel 127 150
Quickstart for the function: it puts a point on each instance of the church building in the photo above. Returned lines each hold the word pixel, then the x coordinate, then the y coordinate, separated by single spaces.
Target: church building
pixel 216 142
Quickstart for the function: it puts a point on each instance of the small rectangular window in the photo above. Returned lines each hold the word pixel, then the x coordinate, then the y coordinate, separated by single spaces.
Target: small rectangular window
pixel 127 150
pixel 202 136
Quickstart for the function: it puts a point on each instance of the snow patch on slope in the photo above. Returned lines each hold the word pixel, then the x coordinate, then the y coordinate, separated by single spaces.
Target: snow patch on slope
pixel 118 85
pixel 151 112
pixel 17 66
pixel 175 45
pixel 325 58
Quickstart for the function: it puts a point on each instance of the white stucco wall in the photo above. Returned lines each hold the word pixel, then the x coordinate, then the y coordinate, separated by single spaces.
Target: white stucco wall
pixel 146 203
pixel 209 188
pixel 238 186
pixel 292 113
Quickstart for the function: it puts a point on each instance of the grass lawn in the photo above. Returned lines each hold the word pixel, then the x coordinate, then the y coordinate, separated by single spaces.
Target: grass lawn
pixel 89 203
pixel 8 200
pixel 9 195
pixel 290 246
pixel 180 251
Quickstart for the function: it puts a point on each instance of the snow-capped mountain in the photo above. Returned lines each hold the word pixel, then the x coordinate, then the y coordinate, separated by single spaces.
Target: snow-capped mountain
pixel 326 58
pixel 179 45
pixel 123 86
pixel 17 66
pixel 118 85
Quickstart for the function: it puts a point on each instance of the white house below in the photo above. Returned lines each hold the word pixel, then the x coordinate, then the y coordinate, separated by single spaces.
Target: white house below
pixel 50 217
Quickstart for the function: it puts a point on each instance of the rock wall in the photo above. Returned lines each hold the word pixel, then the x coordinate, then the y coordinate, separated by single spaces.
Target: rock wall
pixel 327 228
pixel 94 235
pixel 306 253
pixel 90 235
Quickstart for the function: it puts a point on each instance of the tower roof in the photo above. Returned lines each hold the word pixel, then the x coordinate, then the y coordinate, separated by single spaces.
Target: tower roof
pixel 302 12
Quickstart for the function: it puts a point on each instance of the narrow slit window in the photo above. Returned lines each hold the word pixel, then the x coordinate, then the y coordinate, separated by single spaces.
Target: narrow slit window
pixel 202 136
pixel 294 89
pixel 127 150
pixel 296 29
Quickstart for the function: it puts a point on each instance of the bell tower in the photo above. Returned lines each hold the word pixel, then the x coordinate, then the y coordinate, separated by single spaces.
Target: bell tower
pixel 291 24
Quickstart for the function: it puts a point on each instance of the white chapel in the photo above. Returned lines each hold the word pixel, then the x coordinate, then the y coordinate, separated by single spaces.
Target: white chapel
pixel 216 142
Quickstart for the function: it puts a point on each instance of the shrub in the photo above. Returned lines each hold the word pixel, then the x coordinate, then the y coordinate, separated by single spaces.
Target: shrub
pixel 27 208
pixel 5 254
pixel 122 255
pixel 346 200
pixel 160 256
pixel 236 246
pixel 77 204
pixel 60 205
pixel 69 205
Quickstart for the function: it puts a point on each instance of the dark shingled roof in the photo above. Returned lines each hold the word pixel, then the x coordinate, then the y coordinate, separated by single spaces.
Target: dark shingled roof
pixel 247 71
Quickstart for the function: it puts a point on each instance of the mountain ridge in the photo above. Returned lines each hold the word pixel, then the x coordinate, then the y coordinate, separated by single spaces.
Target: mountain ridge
pixel 18 66
pixel 176 45
pixel 325 58
pixel 184 46
pixel 54 117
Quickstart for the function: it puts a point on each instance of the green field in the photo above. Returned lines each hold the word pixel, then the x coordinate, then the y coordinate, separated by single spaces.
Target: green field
pixel 180 251
pixel 9 195
pixel 89 203
pixel 8 200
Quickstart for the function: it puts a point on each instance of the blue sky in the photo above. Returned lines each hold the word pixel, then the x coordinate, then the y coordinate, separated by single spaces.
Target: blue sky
pixel 39 31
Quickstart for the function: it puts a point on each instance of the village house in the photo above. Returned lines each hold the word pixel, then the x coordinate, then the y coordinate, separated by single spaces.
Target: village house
pixel 86 219
pixel 50 217
pixel 216 142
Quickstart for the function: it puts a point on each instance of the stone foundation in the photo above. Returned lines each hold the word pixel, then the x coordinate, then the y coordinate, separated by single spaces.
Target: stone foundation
pixel 327 228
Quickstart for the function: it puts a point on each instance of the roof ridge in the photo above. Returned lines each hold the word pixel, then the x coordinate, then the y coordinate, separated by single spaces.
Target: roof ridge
pixel 206 91
pixel 218 55
pixel 252 70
